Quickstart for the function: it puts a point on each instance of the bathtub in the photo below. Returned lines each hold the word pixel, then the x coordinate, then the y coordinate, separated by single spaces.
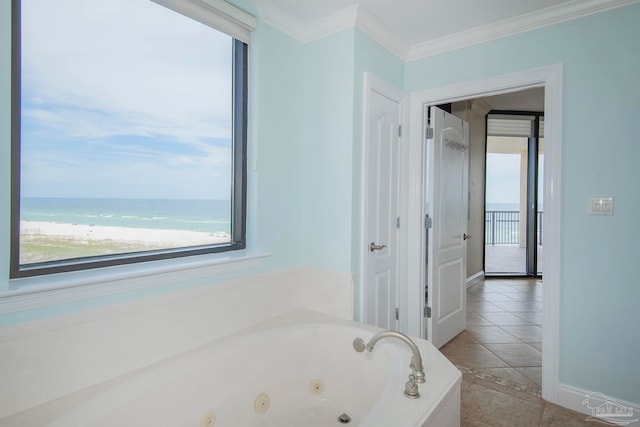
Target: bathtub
pixel 299 369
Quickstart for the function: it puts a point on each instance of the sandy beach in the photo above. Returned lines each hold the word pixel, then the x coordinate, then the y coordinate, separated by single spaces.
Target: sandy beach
pixel 48 241
pixel 170 238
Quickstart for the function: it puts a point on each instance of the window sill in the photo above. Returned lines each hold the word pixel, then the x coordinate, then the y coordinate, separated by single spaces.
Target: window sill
pixel 42 291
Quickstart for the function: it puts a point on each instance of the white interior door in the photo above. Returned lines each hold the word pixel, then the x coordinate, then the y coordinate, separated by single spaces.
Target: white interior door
pixel 448 167
pixel 381 215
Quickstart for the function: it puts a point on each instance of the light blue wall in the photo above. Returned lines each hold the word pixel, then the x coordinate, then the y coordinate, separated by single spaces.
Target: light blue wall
pixel 600 292
pixel 325 166
pixel 330 167
pixel 278 211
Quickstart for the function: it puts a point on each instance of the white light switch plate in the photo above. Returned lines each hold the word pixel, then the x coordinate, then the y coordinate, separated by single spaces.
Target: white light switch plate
pixel 601 206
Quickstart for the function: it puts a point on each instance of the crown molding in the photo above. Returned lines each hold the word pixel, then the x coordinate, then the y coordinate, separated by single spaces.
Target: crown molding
pixel 520 24
pixel 371 26
pixel 307 32
pixel 282 21
pixel 359 17
pixel 355 16
pixel 332 24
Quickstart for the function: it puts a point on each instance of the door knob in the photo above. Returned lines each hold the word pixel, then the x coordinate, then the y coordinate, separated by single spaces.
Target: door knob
pixel 466 236
pixel 373 247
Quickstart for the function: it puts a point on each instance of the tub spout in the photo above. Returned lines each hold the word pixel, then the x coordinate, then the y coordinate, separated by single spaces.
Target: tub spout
pixel 416 359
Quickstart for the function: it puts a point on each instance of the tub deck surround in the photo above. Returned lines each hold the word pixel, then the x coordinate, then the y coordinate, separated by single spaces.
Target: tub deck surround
pixel 295 369
pixel 46 359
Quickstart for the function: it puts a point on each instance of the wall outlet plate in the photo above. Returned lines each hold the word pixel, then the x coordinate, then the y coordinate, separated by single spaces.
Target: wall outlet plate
pixel 601 205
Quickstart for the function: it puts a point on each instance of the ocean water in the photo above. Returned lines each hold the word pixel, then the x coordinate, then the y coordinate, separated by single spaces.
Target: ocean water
pixel 502 206
pixel 194 215
pixel 507 207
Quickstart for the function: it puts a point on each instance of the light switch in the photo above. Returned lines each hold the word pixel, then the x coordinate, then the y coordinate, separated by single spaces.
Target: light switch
pixel 601 206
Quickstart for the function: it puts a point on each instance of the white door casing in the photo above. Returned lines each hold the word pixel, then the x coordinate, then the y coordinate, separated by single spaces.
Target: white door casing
pixel 381 148
pixel 448 188
pixel 549 77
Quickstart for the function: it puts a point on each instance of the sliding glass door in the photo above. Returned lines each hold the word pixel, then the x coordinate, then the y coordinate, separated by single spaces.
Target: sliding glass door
pixel 513 196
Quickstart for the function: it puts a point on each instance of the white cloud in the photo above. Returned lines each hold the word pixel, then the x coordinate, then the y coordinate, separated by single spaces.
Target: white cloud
pixel 96 86
pixel 503 178
pixel 176 84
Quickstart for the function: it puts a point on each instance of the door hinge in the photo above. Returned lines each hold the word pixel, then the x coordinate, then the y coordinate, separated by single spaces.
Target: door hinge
pixel 428 221
pixel 397 313
pixel 399 131
pixel 398 222
pixel 429 133
pixel 427 312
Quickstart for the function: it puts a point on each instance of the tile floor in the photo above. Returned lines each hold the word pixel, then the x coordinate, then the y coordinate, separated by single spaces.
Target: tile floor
pixel 500 357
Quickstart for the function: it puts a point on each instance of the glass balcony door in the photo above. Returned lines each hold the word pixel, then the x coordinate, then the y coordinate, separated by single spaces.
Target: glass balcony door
pixel 513 196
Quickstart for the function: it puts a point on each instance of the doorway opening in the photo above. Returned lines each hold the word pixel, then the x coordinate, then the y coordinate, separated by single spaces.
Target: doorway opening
pixel 502 335
pixel 549 81
pixel 514 213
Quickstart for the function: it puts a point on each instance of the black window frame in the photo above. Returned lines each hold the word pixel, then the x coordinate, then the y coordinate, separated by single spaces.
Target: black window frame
pixel 238 166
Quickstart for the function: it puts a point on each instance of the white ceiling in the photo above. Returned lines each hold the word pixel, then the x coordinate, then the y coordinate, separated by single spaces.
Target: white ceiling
pixel 525 100
pixel 418 28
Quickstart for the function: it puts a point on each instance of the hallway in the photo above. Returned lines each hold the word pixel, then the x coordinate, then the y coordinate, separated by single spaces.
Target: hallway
pixel 500 356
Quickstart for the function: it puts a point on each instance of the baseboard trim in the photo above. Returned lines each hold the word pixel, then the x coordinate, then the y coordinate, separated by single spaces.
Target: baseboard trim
pixel 472 280
pixel 587 403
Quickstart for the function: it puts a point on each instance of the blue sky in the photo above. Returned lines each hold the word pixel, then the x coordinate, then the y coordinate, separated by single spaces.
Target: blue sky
pixel 503 178
pixel 114 105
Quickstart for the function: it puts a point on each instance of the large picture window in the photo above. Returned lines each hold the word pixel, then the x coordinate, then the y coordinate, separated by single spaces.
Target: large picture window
pixel 128 135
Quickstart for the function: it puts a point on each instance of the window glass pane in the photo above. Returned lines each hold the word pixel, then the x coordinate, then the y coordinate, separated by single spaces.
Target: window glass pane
pixel 126 130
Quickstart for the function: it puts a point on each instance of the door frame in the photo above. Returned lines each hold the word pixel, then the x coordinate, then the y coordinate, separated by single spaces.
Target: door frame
pixel 550 78
pixel 371 84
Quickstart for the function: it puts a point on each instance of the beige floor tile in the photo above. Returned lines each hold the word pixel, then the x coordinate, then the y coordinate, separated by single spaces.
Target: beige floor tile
pixel 482 406
pixel 525 333
pixel 533 373
pixel 523 296
pixel 530 316
pixel 464 337
pixel 523 282
pixel 533 398
pixel 497 287
pixel 465 384
pixel 494 296
pixel 503 318
pixel 474 319
pixel 518 305
pixel 536 345
pixel 516 355
pixel 475 297
pixel 556 416
pixel 510 374
pixel 472 356
pixel 482 307
pixel 491 334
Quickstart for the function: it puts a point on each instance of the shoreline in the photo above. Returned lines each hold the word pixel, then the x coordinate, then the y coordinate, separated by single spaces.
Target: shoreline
pixel 130 235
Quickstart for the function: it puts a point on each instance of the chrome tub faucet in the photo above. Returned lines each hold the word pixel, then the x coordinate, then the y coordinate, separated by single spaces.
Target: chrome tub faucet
pixel 418 376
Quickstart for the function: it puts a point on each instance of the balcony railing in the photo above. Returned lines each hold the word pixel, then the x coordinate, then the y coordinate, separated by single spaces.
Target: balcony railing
pixel 503 228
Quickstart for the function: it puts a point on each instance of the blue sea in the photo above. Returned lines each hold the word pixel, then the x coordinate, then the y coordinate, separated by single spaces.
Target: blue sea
pixel 193 215
pixel 502 207
pixel 507 207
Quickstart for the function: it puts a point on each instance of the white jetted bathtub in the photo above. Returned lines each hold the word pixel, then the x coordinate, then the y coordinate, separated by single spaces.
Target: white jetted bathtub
pixel 299 369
